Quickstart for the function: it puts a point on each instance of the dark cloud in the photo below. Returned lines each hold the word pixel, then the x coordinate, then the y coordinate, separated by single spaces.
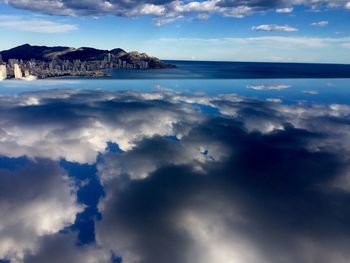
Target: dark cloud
pixel 267 196
pixel 62 248
pixel 256 4
pixel 92 8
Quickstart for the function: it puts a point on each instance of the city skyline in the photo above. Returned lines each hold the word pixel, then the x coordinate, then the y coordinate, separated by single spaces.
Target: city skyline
pixel 32 62
pixel 285 31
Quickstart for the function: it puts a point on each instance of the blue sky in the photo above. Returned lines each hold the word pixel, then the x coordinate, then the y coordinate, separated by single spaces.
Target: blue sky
pixel 230 30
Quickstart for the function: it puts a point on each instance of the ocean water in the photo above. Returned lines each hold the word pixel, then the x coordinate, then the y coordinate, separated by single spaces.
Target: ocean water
pixel 323 83
pixel 218 160
pixel 237 70
pixel 287 90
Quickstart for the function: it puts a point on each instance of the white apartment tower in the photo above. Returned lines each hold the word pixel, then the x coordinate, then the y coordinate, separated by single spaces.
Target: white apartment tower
pixel 18 72
pixel 3 72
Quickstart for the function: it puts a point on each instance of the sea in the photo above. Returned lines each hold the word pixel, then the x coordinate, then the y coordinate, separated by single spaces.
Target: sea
pixel 205 162
pixel 289 82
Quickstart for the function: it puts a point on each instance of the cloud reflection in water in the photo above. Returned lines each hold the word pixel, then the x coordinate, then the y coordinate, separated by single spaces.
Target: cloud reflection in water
pixel 251 181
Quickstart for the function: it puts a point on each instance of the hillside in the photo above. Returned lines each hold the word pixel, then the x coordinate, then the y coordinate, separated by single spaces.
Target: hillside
pixel 44 53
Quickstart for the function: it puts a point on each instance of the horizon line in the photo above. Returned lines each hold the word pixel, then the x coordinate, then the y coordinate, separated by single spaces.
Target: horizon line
pixel 191 60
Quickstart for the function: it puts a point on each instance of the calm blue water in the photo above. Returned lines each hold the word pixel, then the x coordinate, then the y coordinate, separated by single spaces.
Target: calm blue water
pixel 287 90
pixel 290 83
pixel 237 70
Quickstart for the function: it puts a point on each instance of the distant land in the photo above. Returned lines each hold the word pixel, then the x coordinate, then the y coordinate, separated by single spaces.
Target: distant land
pixel 40 62
pixel 31 62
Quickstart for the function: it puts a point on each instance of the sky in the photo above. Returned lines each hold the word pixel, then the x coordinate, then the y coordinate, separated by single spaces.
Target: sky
pixel 221 30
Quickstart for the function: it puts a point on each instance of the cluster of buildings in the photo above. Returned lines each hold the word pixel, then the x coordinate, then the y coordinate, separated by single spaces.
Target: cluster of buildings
pixel 3 72
pixel 15 71
pixel 33 69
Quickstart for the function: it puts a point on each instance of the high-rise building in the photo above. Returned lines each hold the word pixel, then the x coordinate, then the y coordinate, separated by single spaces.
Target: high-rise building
pixel 26 73
pixel 3 72
pixel 12 62
pixel 17 71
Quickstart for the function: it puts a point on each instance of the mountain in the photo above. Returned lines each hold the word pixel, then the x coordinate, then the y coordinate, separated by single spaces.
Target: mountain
pixel 43 53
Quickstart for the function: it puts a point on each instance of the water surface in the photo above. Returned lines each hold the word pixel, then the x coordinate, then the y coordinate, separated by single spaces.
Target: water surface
pixel 175 170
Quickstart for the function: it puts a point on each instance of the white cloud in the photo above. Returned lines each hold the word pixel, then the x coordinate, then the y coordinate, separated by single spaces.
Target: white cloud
pixel 213 242
pixel 286 10
pixel 320 23
pixel 151 9
pixel 274 42
pixel 311 92
pixel 37 25
pixel 166 20
pixel 197 153
pixel 170 8
pixel 269 87
pixel 205 6
pixel 202 17
pixel 274 100
pixel 80 136
pixel 282 28
pixel 35 201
